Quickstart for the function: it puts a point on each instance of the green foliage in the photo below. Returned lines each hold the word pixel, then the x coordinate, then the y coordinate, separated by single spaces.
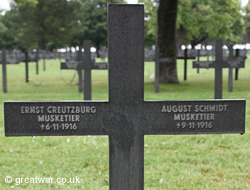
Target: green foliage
pixel 40 23
pixel 210 19
pixel 30 3
pixel 3 30
pixel 50 24
pixel 201 20
pixel 247 18
pixel 10 32
pixel 91 22
pixel 150 22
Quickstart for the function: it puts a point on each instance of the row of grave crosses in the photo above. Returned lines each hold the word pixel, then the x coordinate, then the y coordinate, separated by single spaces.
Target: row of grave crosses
pixel 155 58
pixel 126 118
pixel 16 60
pixel 232 62
pixel 87 64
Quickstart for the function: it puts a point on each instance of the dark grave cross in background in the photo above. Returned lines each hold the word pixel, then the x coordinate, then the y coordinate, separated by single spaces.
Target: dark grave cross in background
pixel 4 70
pixel 237 54
pixel 44 59
pixel 4 61
pixel 199 56
pixel 185 58
pixel 29 58
pixel 103 53
pixel 126 117
pixel 36 59
pixel 158 60
pixel 75 65
pixel 218 65
pixel 87 65
pixel 230 70
pixel 26 60
pixel 198 59
pixel 12 58
pixel 244 56
pixel 234 62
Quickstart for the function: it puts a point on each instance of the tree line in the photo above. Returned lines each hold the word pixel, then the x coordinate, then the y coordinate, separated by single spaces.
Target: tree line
pixel 50 24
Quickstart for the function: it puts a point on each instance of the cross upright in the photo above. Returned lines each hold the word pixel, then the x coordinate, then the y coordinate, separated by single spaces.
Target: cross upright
pixel 4 71
pixel 84 63
pixel 218 65
pixel 126 117
pixel 158 60
pixel 237 54
pixel 235 62
pixel 4 62
pixel 185 57
pixel 29 58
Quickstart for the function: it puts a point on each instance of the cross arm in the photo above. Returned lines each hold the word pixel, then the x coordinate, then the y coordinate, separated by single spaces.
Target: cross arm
pixel 234 62
pixel 194 117
pixel 79 65
pixel 12 61
pixel 54 118
pixel 99 65
pixel 70 65
pixel 183 57
pixel 203 64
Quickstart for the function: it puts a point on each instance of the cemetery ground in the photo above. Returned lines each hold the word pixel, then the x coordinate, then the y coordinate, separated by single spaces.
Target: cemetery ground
pixel 171 161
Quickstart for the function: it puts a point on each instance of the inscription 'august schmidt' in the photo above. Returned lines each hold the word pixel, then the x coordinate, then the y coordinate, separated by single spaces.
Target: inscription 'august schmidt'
pixel 194 116
pixel 58 117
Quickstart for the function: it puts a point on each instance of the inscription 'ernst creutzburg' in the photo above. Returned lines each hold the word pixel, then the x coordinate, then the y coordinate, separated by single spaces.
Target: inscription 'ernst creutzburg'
pixel 57 109
pixel 58 117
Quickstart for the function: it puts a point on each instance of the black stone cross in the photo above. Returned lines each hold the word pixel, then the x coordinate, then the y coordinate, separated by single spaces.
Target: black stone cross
pixel 4 62
pixel 126 117
pixel 158 60
pixel 87 65
pixel 44 59
pixel 238 56
pixel 36 59
pixel 185 57
pixel 4 71
pixel 218 65
pixel 27 60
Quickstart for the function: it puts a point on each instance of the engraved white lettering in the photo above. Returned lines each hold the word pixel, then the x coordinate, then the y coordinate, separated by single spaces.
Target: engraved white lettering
pixel 194 117
pixel 58 118
pixel 93 109
pixel 71 109
pixel 210 108
pixel 174 108
pixel 32 109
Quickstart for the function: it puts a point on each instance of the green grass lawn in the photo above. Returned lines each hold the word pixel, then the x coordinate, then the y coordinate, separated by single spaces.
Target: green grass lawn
pixel 171 162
